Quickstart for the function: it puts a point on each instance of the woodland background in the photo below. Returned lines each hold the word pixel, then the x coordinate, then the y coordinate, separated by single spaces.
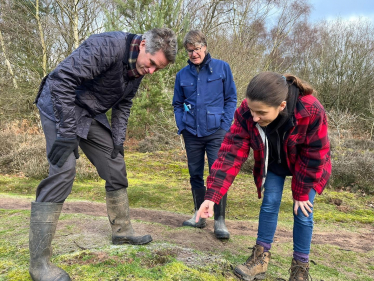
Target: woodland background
pixel 336 57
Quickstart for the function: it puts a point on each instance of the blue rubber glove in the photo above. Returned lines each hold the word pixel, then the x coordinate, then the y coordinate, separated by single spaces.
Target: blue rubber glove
pixel 61 149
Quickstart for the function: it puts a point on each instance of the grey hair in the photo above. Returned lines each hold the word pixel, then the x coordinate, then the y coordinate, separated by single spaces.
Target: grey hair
pixel 194 37
pixel 163 39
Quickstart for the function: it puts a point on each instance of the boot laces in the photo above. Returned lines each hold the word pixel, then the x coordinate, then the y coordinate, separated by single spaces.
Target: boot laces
pixel 254 260
pixel 297 270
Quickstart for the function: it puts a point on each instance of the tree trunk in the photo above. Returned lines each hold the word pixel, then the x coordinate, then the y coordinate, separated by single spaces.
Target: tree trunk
pixel 7 62
pixel 42 42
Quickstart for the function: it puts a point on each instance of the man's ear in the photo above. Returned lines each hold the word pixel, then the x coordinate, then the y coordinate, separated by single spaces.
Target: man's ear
pixel 142 45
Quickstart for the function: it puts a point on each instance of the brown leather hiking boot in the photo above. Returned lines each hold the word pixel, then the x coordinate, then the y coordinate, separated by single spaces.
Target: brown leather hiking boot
pixel 255 266
pixel 299 271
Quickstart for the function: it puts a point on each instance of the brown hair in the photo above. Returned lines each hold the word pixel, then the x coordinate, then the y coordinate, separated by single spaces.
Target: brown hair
pixel 194 37
pixel 272 88
pixel 304 87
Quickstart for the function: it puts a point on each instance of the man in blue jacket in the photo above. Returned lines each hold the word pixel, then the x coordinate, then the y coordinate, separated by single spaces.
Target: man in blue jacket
pixel 204 105
pixel 103 73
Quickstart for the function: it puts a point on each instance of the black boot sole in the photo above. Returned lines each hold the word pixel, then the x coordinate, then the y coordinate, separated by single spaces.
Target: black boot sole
pixel 133 240
pixel 193 225
pixel 222 236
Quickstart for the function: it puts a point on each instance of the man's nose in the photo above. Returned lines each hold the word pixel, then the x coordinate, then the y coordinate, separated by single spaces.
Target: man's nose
pixel 152 69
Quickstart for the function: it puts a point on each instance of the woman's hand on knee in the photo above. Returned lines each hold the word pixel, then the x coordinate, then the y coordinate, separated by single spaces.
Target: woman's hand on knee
pixel 305 207
pixel 205 211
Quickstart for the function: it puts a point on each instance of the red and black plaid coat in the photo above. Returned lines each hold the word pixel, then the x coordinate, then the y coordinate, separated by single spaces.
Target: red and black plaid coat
pixel 306 145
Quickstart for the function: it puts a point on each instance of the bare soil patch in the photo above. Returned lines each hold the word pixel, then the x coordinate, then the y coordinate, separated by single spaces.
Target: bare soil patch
pixel 203 239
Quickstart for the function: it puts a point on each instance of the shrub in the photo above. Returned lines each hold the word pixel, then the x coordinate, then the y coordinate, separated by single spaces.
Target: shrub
pixel 352 164
pixel 22 150
pixel 353 170
pixel 157 142
pixel 359 144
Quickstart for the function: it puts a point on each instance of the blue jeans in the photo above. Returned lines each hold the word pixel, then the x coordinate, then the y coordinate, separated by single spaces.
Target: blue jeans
pixel 303 226
pixel 195 149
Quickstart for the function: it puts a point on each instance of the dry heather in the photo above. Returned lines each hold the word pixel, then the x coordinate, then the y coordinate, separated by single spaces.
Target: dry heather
pixel 352 162
pixel 157 142
pixel 22 151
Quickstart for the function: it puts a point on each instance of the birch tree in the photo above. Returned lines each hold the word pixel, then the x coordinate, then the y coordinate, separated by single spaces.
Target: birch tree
pixel 338 59
pixel 71 12
pixel 7 62
pixel 34 9
pixel 75 20
pixel 288 15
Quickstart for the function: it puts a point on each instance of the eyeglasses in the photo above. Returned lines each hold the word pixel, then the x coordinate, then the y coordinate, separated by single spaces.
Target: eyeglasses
pixel 197 50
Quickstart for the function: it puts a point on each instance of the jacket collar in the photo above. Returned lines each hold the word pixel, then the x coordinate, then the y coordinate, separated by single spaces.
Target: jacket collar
pixel 206 61
pixel 300 110
pixel 247 113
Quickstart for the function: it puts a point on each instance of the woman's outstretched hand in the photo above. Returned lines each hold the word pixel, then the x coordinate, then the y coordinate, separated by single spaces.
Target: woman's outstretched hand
pixel 205 211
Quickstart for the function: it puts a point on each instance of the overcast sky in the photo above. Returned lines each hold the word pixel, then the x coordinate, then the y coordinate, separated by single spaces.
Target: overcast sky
pixel 347 9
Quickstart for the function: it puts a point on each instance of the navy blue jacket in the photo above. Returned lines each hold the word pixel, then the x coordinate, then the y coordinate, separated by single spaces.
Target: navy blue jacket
pixel 204 101
pixel 89 82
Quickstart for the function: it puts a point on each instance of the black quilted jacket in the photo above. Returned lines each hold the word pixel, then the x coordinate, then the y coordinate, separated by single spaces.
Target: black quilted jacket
pixel 89 82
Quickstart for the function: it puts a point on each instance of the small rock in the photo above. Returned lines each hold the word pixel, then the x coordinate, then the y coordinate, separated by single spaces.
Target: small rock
pixel 336 201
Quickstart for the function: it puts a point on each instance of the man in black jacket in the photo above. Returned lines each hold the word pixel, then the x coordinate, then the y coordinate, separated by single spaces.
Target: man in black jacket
pixel 103 73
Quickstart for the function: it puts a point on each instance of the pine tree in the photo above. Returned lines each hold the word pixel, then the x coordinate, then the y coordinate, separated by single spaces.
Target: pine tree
pixel 152 110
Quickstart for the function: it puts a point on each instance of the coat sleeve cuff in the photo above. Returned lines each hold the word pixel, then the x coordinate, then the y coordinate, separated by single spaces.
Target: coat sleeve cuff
pixel 213 195
pixel 300 197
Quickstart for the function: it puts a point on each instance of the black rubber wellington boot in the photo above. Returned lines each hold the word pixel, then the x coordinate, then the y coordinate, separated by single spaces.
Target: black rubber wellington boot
pixel 117 204
pixel 43 223
pixel 220 229
pixel 198 198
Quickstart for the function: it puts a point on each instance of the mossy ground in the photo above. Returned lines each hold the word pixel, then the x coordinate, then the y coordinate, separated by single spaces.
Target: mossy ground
pixel 159 181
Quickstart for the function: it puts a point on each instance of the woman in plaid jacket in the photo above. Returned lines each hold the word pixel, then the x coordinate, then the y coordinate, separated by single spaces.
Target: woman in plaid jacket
pixel 286 126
